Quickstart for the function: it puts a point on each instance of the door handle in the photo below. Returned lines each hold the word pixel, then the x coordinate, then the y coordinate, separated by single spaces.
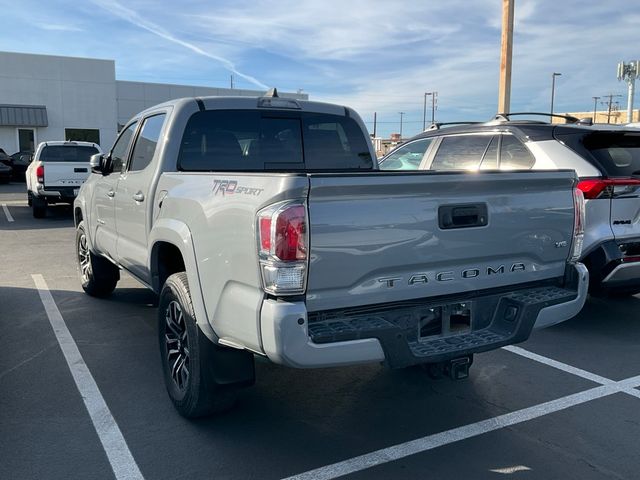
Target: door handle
pixel 462 216
pixel 111 193
pixel 138 197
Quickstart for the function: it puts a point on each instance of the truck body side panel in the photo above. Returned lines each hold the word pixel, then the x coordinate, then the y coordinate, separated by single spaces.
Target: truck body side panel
pixel 223 227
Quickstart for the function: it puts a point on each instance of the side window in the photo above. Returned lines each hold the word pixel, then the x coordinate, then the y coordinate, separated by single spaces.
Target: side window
pixel 146 143
pixel 407 157
pixel 119 150
pixel 514 155
pixel 490 159
pixel 461 152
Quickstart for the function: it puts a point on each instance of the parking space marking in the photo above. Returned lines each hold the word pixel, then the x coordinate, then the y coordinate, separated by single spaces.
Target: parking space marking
pixel 578 372
pixel 465 432
pixel 122 462
pixel 430 442
pixel 7 213
pixel 569 369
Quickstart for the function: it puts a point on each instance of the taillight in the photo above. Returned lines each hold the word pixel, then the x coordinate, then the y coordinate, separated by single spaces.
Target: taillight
pixel 282 247
pixel 40 174
pixel 603 187
pixel 578 224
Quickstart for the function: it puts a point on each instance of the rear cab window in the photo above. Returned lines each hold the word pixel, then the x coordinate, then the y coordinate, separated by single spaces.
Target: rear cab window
pixel 67 153
pixel 251 140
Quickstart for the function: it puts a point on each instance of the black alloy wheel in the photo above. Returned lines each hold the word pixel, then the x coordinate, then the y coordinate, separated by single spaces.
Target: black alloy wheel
pixel 176 345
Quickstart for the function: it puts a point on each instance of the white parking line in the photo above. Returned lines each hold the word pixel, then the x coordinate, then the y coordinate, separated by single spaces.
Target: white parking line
pixel 578 372
pixel 430 442
pixel 396 452
pixel 122 462
pixel 7 213
pixel 569 369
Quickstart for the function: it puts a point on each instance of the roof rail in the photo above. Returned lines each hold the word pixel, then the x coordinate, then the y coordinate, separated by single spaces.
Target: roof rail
pixel 437 125
pixel 505 117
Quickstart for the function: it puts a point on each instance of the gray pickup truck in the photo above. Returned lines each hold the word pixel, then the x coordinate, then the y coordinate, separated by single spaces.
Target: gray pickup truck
pixel 266 229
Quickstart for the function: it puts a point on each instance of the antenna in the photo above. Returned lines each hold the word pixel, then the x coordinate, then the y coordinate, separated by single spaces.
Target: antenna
pixel 628 72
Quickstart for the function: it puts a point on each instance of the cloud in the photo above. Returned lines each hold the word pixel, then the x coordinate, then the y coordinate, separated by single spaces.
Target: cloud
pixel 132 17
pixel 59 27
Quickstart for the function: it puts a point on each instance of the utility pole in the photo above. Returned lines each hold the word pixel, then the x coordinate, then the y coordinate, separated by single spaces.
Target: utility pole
pixel 609 103
pixel 232 81
pixel 629 72
pixel 401 114
pixel 375 123
pixel 595 107
pixel 504 86
pixel 553 89
pixel 433 109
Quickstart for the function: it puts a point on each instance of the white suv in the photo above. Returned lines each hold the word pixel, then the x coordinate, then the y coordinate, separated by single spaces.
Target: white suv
pixel 605 157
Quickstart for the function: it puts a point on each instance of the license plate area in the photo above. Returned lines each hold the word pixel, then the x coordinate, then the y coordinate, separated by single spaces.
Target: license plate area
pixel 446 320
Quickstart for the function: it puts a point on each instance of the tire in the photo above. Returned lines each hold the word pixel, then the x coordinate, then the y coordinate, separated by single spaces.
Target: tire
pixel 39 208
pixel 29 199
pixel 98 275
pixel 201 378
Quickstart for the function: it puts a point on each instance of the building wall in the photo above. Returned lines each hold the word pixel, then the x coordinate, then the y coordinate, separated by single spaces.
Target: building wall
pixel 134 97
pixel 84 93
pixel 78 93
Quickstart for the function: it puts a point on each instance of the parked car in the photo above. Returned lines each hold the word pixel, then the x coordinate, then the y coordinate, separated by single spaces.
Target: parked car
pixel 605 157
pixel 20 162
pixel 265 228
pixel 56 173
pixel 6 173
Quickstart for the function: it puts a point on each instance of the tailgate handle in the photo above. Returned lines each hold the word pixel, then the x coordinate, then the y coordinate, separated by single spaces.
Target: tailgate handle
pixel 462 216
pixel 80 170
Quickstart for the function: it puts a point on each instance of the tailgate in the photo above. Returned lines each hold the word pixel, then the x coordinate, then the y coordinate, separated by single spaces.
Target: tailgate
pixel 386 237
pixel 65 174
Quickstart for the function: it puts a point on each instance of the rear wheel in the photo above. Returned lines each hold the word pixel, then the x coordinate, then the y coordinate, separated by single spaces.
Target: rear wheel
pixel 97 274
pixel 201 378
pixel 39 207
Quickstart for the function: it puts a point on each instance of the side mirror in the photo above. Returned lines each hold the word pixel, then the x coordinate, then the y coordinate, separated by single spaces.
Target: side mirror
pixel 99 163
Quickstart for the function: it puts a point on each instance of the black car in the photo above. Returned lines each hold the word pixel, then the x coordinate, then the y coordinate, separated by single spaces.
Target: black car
pixel 6 167
pixel 20 162
pixel 5 173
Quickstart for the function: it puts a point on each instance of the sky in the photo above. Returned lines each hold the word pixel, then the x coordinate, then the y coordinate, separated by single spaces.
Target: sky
pixel 375 56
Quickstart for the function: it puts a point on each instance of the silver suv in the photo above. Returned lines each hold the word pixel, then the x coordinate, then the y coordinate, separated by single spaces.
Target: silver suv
pixel 605 157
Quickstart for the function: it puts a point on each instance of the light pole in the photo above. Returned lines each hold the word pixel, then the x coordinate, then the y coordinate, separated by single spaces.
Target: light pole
pixel 433 108
pixel 424 111
pixel 553 89
pixel 595 107
pixel 401 114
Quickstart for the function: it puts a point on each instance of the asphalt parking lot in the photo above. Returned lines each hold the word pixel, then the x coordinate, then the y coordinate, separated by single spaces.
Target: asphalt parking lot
pixel 563 405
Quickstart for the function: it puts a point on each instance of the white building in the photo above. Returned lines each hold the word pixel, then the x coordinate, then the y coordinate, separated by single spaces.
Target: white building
pixel 44 97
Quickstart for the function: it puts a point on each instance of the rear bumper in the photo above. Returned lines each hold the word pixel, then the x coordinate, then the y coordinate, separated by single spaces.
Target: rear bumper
pixel 609 267
pixel 61 194
pixel 294 337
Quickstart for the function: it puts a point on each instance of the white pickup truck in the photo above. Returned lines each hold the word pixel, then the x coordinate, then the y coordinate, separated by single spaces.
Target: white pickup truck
pixel 266 229
pixel 56 173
